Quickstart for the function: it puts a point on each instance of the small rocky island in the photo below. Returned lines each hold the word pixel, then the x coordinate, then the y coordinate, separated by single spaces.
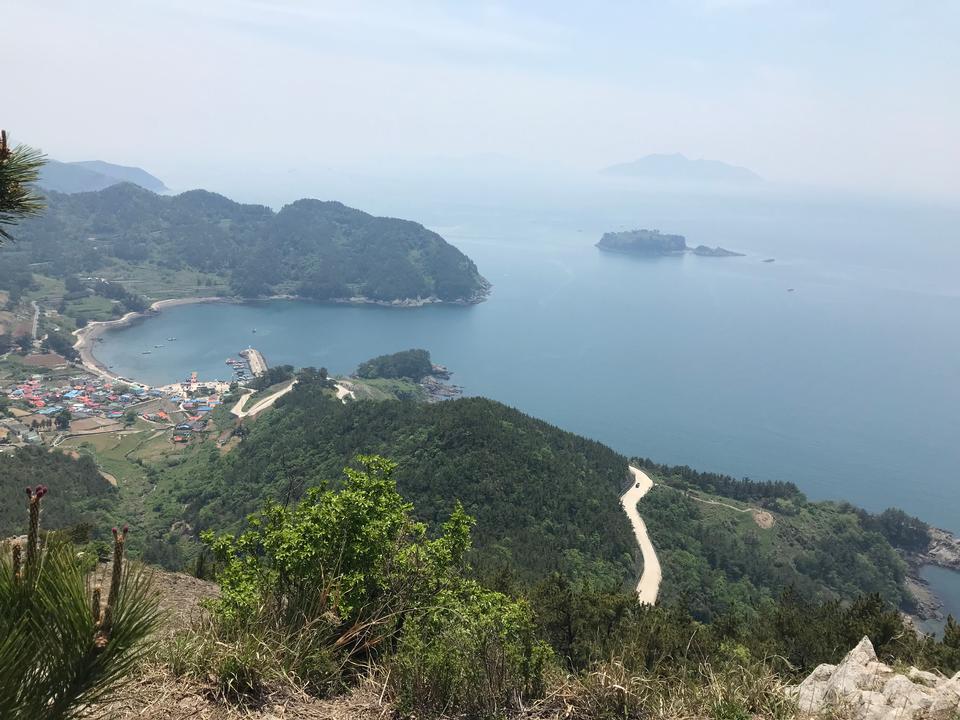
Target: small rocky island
pixel 653 243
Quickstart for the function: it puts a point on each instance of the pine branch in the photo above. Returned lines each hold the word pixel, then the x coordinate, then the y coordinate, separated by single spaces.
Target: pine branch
pixel 19 171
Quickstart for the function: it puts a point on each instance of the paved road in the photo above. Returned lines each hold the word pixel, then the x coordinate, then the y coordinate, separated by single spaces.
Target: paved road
pixel 649 585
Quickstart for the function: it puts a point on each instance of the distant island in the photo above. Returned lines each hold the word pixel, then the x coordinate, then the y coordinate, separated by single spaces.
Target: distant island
pixel 679 168
pixel 654 243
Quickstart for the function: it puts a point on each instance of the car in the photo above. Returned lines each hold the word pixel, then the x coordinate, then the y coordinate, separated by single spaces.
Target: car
pixel 637 485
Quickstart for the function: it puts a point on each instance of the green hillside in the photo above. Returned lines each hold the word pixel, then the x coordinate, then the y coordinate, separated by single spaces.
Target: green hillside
pixel 315 249
pixel 544 499
pixel 78 492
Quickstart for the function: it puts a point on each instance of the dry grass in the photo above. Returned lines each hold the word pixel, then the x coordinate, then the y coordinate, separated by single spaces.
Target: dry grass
pixel 611 691
pixel 158 695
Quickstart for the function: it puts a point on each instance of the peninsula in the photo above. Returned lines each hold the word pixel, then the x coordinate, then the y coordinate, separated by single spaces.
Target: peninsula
pixel 124 240
pixel 653 243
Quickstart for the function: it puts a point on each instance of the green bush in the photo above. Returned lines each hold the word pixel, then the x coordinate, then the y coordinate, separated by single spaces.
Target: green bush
pixel 325 587
pixel 473 651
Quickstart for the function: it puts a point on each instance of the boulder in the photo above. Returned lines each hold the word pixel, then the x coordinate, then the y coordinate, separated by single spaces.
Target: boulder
pixel 863 688
pixel 922 677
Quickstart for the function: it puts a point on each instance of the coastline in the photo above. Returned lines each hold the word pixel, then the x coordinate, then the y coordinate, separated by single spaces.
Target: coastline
pixel 88 334
pixel 942 552
pixel 86 337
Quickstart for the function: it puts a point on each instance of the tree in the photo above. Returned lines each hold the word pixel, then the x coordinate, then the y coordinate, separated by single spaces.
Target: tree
pixel 62 419
pixel 19 170
pixel 24 342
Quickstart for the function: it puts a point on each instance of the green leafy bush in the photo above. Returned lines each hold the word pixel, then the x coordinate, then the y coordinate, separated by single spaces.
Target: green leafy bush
pixel 473 650
pixel 346 578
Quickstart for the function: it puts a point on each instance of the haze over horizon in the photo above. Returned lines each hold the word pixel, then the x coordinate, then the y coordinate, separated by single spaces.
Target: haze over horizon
pixel 240 96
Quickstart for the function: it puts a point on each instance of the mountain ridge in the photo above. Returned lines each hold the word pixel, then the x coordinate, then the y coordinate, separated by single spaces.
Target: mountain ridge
pixel 678 167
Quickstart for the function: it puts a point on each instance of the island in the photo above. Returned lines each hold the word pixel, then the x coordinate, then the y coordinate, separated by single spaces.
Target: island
pixel 655 244
pixel 714 252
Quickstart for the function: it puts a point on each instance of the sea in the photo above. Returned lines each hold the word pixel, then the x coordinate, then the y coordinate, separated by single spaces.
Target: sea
pixel 835 366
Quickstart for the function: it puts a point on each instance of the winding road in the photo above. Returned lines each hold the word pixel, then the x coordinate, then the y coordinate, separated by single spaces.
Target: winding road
pixel 649 584
pixel 343 390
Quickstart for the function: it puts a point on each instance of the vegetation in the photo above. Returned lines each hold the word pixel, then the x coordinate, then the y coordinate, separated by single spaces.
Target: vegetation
pixel 413 365
pixel 716 559
pixel 347 583
pixel 347 578
pixel 319 250
pixel 61 647
pixel 80 494
pixel 545 500
pixel 19 170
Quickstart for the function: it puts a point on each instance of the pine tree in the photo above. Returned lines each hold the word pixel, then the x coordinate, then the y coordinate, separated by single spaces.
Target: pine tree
pixel 19 170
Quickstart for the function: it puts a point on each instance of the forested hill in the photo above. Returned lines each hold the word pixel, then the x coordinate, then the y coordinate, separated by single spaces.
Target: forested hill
pixel 320 250
pixel 545 500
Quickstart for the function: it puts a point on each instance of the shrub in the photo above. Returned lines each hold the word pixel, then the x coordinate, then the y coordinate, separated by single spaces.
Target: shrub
pixel 321 587
pixel 473 651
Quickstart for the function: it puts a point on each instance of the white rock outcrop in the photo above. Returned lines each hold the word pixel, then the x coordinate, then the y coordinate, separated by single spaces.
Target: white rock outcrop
pixel 862 688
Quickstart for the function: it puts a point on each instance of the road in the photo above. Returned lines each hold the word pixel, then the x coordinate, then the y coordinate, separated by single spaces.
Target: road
pixel 648 586
pixel 262 404
pixel 36 320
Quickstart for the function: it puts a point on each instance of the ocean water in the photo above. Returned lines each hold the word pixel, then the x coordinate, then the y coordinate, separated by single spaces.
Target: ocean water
pixel 836 367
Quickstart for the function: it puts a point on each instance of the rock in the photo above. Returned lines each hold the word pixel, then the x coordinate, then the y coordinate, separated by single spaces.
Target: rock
pixel 861 654
pixel 905 696
pixel 810 693
pixel 863 688
pixel 946 703
pixel 923 677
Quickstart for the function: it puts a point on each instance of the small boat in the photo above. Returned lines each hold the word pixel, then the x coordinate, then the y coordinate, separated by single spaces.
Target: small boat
pixel 254 331
pixel 171 339
pixel 145 352
pixel 158 346
pixel 790 290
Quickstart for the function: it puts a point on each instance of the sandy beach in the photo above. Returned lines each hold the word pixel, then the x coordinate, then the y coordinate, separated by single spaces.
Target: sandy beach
pixel 87 335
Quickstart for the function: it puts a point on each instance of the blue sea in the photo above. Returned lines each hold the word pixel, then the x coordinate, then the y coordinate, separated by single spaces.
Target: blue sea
pixel 836 367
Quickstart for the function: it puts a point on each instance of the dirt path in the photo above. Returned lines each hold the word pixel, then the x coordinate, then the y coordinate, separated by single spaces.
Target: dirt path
pixel 761 517
pixel 649 585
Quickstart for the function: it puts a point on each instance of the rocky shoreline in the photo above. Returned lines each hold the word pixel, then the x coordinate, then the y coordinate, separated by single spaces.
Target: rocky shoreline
pixel 944 552
pixel 437 387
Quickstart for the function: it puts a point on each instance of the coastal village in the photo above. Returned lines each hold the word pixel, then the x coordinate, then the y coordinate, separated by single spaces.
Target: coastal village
pixel 65 401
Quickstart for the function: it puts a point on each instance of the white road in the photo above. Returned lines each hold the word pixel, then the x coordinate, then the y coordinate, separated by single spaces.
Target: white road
pixel 343 390
pixel 649 585
pixel 262 404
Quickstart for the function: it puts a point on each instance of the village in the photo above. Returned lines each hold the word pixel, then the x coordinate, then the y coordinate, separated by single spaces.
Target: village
pixel 47 408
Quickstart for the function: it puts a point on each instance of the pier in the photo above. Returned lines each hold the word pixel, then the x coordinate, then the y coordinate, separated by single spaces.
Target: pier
pixel 254 358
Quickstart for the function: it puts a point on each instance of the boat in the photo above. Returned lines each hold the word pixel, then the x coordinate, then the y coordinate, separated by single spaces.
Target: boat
pixel 171 339
pixel 254 331
pixel 145 352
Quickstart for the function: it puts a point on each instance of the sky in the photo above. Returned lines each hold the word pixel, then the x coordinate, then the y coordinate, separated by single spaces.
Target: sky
pixel 232 94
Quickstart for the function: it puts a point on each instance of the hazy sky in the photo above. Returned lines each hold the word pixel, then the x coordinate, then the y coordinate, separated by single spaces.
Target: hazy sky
pixel 864 95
